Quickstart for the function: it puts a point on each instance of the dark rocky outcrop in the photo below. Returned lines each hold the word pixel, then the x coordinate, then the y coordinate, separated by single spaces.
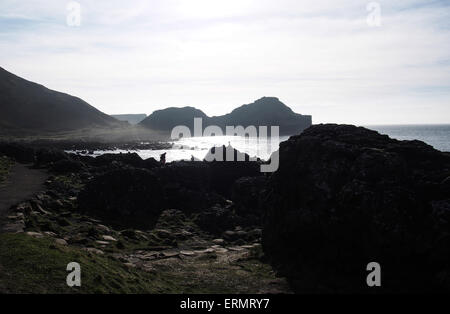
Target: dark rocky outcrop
pixel 267 111
pixel 345 196
pixel 129 197
pixel 247 193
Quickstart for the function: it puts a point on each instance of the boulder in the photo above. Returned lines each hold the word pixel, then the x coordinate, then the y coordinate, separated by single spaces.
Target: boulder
pixel 345 196
pixel 247 194
pixel 125 197
pixel 216 219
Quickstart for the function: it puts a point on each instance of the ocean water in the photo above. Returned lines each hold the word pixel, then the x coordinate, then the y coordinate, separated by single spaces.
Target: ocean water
pixel 437 136
pixel 198 147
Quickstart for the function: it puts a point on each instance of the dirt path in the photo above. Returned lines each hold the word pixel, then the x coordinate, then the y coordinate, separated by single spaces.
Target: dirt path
pixel 22 183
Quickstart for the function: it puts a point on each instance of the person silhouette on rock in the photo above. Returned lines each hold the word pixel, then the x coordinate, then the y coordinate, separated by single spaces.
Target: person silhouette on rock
pixel 162 159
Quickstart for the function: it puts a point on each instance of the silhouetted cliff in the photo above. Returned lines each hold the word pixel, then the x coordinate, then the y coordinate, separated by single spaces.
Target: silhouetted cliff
pixel 267 111
pixel 27 106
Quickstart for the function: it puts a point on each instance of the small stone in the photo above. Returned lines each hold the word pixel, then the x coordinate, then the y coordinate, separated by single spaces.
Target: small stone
pixel 37 235
pixel 236 248
pixel 218 241
pixel 103 228
pixel 94 250
pixel 102 242
pixel 188 253
pixel 221 250
pixel 129 265
pixel 169 254
pixel 61 241
pixel 108 238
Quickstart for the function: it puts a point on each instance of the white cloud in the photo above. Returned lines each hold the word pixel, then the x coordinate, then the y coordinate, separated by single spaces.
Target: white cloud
pixel 319 57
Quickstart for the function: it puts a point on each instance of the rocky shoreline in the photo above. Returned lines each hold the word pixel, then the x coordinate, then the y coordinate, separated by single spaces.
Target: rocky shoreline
pixel 342 197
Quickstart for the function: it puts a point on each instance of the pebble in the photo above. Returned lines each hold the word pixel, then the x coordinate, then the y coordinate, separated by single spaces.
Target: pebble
pixel 35 234
pixel 188 253
pixel 108 238
pixel 61 241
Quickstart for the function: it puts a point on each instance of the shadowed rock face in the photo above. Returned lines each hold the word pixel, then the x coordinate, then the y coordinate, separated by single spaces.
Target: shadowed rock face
pixel 346 196
pixel 130 191
pixel 125 196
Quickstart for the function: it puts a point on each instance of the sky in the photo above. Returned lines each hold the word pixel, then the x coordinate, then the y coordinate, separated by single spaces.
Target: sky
pixel 355 61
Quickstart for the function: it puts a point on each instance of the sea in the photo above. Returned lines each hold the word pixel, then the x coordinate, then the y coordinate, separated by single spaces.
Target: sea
pixel 437 136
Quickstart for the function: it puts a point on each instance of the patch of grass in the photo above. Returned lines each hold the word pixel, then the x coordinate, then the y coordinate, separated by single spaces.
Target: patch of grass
pixel 29 265
pixel 5 165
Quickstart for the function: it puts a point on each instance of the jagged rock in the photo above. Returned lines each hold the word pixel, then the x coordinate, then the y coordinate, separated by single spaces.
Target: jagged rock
pixel 225 172
pixel 216 219
pixel 129 197
pixel 132 159
pixel 246 194
pixel 345 196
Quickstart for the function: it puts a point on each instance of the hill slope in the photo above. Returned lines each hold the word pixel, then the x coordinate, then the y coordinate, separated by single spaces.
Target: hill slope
pixel 27 106
pixel 130 118
pixel 167 119
pixel 267 111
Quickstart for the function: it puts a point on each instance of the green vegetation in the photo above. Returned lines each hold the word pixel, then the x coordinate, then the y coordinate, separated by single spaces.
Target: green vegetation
pixel 29 265
pixel 5 164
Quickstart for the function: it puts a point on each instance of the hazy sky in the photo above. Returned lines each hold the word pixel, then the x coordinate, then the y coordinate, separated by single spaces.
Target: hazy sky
pixel 320 57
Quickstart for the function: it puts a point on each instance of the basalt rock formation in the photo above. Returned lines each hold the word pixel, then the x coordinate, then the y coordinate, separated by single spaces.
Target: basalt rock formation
pixel 345 196
pixel 266 111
